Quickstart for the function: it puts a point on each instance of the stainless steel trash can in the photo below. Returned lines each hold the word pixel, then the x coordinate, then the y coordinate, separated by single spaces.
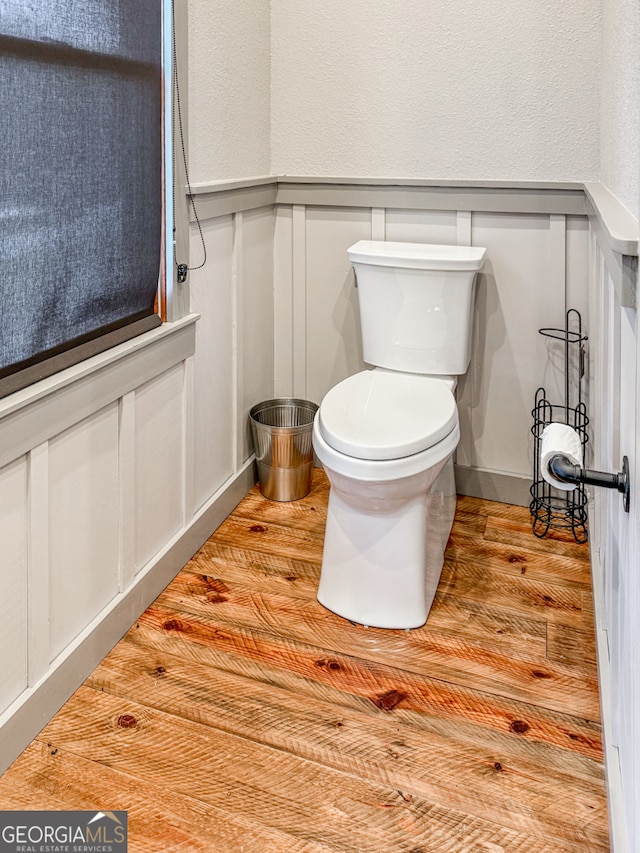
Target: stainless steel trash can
pixel 282 430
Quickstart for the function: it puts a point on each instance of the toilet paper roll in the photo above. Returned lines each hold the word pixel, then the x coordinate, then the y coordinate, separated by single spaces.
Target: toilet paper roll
pixel 559 438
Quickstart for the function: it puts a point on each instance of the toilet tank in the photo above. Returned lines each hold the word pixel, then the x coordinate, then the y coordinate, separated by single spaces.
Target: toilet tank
pixel 416 304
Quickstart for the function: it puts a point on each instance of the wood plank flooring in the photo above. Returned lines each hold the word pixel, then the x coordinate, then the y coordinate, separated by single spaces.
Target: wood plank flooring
pixel 239 715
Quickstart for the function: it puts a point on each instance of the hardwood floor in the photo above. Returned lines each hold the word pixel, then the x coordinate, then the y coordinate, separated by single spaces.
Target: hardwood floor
pixel 239 715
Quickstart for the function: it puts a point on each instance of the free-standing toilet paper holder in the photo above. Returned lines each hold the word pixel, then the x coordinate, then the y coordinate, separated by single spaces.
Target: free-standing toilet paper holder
pixel 551 507
pixel 565 471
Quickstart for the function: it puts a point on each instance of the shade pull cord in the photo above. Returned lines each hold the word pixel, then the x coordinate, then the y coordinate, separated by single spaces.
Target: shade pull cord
pixel 182 269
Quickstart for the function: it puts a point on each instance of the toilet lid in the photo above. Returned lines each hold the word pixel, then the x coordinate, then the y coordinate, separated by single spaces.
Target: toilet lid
pixel 379 414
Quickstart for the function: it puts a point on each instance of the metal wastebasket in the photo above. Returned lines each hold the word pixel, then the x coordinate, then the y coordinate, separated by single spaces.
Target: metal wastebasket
pixel 282 430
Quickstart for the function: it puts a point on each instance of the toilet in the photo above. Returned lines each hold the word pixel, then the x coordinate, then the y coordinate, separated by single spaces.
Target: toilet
pixel 386 436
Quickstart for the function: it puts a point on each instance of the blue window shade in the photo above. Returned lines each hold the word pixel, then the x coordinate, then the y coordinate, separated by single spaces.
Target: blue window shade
pixel 80 179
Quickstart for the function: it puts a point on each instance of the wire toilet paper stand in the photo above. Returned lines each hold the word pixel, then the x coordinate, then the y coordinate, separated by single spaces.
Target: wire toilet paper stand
pixel 552 508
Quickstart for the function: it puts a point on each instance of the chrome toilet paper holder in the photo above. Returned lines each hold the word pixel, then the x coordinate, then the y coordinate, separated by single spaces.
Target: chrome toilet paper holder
pixel 565 471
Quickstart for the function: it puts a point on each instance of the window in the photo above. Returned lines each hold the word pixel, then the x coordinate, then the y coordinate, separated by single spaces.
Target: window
pixel 81 179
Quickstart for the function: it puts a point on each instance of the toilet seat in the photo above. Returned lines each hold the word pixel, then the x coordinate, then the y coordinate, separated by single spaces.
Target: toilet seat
pixel 382 470
pixel 387 415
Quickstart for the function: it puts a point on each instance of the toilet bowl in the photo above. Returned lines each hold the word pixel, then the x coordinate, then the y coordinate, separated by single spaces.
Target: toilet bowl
pixel 386 436
pixel 386 442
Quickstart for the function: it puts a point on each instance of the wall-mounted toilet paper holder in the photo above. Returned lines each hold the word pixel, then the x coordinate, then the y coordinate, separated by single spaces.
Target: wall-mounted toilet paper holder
pixel 565 471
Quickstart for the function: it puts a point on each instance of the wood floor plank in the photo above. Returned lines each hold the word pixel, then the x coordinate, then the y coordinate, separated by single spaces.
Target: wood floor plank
pixel 421 651
pixel 516 559
pixel 469 524
pixel 368 685
pixel 309 513
pixel 514 532
pixel 415 760
pixel 498 629
pixel 259 570
pixel 49 777
pixel 568 645
pixel 219 565
pixel 548 601
pixel 267 537
pixel 340 810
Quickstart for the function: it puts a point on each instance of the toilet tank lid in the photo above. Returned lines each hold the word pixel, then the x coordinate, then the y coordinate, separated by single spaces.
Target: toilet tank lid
pixel 425 256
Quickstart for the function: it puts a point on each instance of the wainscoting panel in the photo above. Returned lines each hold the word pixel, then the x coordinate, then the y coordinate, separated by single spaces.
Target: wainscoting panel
pixel 578 267
pixel 283 301
pixel 159 463
pixel 422 226
pixel 214 389
pixel 256 319
pixel 83 525
pixel 521 289
pixel 13 580
pixel 333 348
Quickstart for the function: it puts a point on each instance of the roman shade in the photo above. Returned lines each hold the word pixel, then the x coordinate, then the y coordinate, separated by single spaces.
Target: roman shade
pixel 81 196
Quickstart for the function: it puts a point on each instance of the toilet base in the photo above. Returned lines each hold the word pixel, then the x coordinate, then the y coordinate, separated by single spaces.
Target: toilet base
pixel 384 546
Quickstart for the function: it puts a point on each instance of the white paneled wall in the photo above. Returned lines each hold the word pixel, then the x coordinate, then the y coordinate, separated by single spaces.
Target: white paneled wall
pixel 615 356
pixel 113 473
pixel 537 267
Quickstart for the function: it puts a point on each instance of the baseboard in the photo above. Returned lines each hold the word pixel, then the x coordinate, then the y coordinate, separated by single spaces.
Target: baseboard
pixel 615 799
pixel 32 710
pixel 493 485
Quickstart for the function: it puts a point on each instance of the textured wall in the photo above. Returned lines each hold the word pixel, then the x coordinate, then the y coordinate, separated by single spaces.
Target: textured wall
pixel 620 119
pixel 503 90
pixel 229 89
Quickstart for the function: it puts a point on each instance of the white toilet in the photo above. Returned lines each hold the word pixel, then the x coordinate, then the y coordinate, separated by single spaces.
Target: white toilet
pixel 386 436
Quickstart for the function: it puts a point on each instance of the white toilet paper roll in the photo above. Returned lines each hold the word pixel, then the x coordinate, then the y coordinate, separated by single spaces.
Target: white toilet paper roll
pixel 559 438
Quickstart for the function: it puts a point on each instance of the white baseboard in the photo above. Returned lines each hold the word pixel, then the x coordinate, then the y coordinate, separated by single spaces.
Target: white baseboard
pixel 33 709
pixel 493 485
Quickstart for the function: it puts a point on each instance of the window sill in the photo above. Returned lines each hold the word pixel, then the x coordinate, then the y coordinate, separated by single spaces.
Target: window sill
pixel 34 414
